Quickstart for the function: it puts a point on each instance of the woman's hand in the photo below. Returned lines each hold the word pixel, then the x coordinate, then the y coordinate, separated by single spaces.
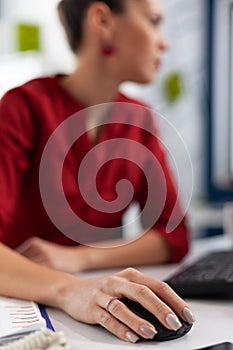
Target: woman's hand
pixel 97 301
pixel 55 256
pixel 94 300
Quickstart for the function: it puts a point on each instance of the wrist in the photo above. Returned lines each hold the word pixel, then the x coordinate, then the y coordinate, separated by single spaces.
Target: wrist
pixel 85 258
pixel 59 293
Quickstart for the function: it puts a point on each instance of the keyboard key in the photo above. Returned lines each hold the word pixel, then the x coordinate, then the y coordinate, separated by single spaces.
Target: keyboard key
pixel 210 276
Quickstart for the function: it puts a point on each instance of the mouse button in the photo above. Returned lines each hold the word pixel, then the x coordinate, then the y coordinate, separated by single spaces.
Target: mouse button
pixel 185 327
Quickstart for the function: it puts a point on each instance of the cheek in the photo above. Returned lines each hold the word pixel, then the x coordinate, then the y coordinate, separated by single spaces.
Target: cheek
pixel 132 37
pixel 135 45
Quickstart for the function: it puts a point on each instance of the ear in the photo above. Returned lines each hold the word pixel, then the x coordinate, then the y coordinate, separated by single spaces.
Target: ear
pixel 101 19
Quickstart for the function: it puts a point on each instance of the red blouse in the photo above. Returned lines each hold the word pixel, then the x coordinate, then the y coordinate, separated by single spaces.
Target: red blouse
pixel 94 198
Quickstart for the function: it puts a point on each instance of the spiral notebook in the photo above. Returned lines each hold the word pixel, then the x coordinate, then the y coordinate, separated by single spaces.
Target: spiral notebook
pixel 20 317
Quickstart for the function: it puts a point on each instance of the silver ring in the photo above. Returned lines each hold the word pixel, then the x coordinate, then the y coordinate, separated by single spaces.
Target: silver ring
pixel 109 303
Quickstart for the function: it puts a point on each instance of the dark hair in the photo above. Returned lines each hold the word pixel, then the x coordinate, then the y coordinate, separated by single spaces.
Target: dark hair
pixel 72 14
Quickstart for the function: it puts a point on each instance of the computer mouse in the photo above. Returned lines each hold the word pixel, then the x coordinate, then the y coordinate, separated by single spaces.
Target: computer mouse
pixel 163 332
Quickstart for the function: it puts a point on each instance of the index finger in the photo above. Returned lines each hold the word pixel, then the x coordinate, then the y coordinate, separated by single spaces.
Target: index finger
pixel 164 292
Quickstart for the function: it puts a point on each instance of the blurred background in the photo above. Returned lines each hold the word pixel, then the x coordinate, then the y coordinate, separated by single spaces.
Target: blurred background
pixel 192 92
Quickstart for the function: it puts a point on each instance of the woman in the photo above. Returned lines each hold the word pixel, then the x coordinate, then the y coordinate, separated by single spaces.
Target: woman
pixel 114 41
pixel 107 55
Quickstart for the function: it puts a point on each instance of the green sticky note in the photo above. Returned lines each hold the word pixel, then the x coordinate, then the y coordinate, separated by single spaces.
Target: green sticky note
pixel 28 37
pixel 173 87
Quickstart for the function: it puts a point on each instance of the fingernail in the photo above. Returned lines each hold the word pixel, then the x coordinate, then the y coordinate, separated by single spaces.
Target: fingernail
pixel 173 322
pixel 188 315
pixel 149 332
pixel 133 338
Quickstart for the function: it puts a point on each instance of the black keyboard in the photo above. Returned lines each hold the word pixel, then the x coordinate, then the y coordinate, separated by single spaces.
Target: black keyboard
pixel 209 277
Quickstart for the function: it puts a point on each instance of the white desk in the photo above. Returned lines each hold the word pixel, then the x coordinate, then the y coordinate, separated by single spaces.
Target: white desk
pixel 214 318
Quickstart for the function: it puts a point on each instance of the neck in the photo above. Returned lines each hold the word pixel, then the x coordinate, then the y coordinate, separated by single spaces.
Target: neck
pixel 90 85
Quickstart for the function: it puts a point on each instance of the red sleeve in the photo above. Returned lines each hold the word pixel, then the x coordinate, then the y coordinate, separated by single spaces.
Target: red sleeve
pixel 15 145
pixel 164 204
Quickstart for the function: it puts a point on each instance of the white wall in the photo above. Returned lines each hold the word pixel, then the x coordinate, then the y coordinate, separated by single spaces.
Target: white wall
pixel 42 12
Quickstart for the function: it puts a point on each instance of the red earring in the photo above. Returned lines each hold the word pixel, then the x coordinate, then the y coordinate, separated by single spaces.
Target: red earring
pixel 107 49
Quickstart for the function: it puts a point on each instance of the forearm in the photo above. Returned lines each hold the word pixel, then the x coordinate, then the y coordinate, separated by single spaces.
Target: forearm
pixel 22 278
pixel 150 248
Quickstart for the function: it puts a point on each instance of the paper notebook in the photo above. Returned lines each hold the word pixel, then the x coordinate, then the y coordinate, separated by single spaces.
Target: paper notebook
pixel 18 317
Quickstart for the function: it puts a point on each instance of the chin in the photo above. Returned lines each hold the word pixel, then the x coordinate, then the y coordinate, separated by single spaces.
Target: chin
pixel 147 78
pixel 142 77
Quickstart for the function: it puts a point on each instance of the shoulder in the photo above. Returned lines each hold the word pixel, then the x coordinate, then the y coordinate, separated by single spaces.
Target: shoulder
pixel 38 83
pixel 33 88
